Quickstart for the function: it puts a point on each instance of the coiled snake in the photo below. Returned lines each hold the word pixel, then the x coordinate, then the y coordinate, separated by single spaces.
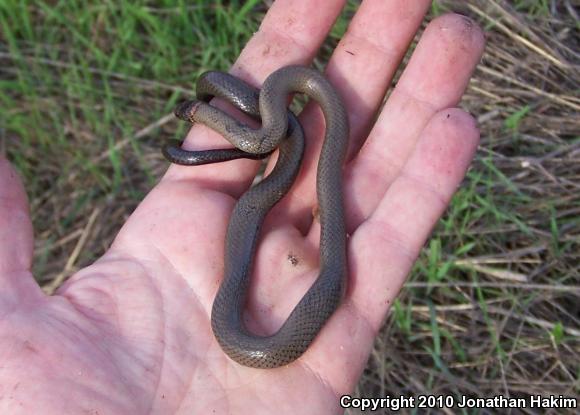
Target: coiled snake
pixel 280 129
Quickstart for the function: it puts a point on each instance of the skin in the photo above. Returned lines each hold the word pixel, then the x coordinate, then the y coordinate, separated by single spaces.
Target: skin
pixel 130 334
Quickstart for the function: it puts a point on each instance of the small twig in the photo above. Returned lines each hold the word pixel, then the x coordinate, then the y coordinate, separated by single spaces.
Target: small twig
pixel 138 135
pixel 503 257
pixel 493 272
pixel 497 310
pixel 54 284
pixel 533 320
pixel 545 287
pixel 452 307
pixel 61 242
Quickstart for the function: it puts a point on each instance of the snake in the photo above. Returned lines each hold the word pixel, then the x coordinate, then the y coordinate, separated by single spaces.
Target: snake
pixel 280 130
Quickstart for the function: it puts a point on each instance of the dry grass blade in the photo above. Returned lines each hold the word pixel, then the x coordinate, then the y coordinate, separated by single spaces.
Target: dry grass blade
pixel 544 52
pixel 69 266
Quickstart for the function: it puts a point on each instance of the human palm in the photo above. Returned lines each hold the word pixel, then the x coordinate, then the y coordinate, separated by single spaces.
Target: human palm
pixel 130 334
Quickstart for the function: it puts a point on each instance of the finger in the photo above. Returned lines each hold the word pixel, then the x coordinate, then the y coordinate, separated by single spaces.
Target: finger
pixel 361 69
pixel 435 78
pixel 410 208
pixel 384 248
pixel 291 33
pixel 15 225
pixel 16 243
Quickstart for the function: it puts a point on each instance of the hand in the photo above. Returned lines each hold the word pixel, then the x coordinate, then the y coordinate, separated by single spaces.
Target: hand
pixel 130 334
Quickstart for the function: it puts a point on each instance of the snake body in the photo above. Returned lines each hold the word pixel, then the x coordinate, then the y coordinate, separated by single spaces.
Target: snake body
pixel 279 129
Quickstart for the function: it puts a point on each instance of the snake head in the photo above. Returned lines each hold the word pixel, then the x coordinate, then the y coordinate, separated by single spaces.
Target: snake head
pixel 186 110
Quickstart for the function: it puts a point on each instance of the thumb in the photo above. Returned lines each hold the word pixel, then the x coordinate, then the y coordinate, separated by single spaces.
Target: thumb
pixel 16 239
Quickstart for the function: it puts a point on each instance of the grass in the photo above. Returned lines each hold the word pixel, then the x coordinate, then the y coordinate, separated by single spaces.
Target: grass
pixel 492 305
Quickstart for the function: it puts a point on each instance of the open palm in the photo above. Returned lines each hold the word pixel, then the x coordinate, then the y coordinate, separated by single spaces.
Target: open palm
pixel 130 334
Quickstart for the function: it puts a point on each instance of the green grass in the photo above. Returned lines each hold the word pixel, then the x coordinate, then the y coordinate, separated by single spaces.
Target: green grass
pixel 77 78
pixel 533 7
pixel 82 76
pixel 71 66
